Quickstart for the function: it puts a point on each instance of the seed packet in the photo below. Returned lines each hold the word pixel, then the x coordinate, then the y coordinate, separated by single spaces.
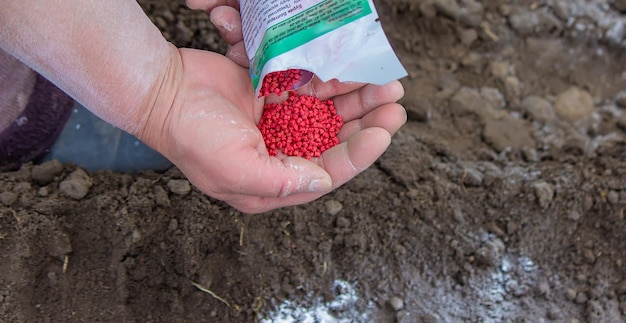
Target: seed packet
pixel 333 39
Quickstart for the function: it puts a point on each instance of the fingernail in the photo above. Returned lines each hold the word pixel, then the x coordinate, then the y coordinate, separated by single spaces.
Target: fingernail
pixel 320 185
pixel 218 23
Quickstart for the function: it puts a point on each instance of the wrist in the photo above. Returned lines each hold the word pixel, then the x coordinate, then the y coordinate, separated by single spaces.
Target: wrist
pixel 151 121
pixel 108 56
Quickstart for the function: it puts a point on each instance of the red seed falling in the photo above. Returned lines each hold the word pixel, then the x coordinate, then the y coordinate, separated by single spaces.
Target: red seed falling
pixel 302 126
pixel 278 82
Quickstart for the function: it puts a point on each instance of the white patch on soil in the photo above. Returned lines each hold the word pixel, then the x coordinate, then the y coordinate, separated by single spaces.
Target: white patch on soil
pixel 339 310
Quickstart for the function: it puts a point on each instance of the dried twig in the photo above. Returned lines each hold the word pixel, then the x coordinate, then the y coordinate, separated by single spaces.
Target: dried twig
pixel 206 290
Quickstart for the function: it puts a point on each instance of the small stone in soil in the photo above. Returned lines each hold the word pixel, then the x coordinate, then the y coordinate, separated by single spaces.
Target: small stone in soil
pixel 179 186
pixel 76 185
pixel 333 207
pixel 43 191
pixel 8 198
pixel 538 108
pixel 489 254
pixel 570 294
pixel 44 173
pixel 581 298
pixel 544 193
pixel 396 303
pixel 553 314
pixel 160 197
pixel 574 104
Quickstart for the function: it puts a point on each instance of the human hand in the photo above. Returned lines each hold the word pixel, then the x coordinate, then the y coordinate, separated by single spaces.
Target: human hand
pixel 204 121
pixel 224 15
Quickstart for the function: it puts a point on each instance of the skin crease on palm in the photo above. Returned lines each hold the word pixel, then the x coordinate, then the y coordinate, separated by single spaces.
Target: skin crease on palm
pixel 195 107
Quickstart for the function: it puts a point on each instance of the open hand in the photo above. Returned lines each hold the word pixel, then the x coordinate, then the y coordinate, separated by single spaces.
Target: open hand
pixel 204 121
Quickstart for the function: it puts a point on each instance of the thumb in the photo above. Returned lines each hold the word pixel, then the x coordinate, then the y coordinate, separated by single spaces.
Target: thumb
pixel 274 177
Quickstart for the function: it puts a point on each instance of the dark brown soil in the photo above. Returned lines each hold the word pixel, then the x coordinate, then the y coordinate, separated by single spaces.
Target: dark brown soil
pixel 502 199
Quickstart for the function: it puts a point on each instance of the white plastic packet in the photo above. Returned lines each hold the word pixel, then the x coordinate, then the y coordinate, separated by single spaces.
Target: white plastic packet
pixel 340 39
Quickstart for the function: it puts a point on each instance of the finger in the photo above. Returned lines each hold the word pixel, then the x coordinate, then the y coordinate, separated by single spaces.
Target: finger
pixel 228 22
pixel 237 53
pixel 271 177
pixel 355 105
pixel 342 162
pixel 389 117
pixel 348 159
pixel 329 89
pixel 208 5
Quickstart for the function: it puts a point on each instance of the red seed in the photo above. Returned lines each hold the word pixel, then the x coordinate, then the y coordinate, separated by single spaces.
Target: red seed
pixel 302 126
pixel 278 82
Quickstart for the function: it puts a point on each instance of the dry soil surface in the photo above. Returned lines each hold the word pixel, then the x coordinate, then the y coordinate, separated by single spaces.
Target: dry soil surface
pixel 502 199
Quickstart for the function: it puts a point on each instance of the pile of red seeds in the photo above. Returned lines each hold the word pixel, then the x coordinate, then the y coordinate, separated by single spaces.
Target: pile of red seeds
pixel 279 82
pixel 302 126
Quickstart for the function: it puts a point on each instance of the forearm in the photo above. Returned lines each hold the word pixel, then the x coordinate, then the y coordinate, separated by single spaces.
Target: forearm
pixel 105 54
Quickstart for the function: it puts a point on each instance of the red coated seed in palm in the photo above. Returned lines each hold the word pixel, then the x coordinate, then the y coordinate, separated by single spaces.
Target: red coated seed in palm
pixel 302 126
pixel 279 82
